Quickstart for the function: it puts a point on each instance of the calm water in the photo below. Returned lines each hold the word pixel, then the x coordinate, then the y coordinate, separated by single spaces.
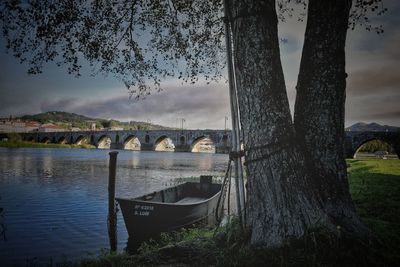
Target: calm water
pixel 55 200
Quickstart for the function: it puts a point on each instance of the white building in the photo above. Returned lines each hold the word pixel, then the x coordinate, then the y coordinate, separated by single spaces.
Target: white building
pixel 49 127
pixel 18 126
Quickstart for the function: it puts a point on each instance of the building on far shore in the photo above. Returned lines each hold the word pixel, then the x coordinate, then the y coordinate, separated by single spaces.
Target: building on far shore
pixel 115 128
pixel 92 125
pixel 18 126
pixel 49 127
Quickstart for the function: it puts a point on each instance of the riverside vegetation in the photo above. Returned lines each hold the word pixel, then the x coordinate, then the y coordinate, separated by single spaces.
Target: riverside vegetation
pixel 14 140
pixel 375 188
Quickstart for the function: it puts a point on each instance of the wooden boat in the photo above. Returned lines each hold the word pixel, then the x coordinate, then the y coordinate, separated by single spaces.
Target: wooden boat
pixel 171 208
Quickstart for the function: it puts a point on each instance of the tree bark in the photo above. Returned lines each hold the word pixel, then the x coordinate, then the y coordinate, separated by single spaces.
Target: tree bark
pixel 281 199
pixel 319 109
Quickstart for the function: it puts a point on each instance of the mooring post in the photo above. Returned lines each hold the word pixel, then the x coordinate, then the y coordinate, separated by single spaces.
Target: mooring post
pixel 112 214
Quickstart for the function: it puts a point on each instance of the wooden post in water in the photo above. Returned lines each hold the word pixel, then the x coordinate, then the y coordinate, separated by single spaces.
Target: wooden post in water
pixel 112 214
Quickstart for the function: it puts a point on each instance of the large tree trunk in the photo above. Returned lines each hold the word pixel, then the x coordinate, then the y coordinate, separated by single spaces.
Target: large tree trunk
pixel 281 200
pixel 319 109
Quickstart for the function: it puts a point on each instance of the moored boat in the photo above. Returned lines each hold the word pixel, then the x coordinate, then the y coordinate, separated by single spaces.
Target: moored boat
pixel 171 208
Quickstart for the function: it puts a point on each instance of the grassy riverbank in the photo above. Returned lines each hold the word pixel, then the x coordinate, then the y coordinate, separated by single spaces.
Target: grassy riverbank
pixel 19 144
pixel 375 187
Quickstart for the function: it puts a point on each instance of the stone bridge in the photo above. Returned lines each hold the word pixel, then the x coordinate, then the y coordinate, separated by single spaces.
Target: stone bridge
pixel 185 140
pixel 354 141
pixel 171 140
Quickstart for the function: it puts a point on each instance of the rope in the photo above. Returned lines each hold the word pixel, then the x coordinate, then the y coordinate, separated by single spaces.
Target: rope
pixel 229 192
pixel 270 149
pixel 221 199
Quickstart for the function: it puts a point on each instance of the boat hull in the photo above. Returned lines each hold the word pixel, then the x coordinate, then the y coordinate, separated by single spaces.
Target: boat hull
pixel 170 209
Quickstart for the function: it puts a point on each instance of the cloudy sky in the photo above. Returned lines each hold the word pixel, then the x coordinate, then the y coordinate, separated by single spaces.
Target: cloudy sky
pixel 373 95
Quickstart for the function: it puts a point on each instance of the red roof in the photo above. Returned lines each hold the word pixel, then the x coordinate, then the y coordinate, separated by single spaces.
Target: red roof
pixel 51 126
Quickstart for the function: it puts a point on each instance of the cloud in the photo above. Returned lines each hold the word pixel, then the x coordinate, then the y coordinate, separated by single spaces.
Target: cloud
pixel 65 103
pixel 374 81
pixel 393 115
pixel 383 109
pixel 15 101
pixel 372 64
pixel 202 106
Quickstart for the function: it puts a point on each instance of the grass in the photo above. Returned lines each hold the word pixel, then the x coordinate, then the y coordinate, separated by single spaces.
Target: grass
pixel 19 144
pixel 375 188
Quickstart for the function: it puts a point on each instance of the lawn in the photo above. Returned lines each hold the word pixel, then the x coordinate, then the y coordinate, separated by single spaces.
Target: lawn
pixel 375 188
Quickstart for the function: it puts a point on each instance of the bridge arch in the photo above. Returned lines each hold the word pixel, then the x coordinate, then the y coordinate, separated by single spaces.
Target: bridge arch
pixel 104 142
pixel 132 143
pixel 81 140
pixel 45 140
pixel 202 144
pixel 164 143
pixel 62 140
pixel 356 139
pixel 388 148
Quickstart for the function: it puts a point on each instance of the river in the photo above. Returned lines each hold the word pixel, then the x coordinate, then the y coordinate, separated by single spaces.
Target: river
pixel 55 200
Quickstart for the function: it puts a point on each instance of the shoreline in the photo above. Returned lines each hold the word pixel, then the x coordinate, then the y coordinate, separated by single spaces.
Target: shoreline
pixel 25 144
pixel 373 186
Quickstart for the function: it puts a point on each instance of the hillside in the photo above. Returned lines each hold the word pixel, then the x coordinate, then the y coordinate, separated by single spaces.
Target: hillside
pixel 68 120
pixel 373 127
pixel 56 116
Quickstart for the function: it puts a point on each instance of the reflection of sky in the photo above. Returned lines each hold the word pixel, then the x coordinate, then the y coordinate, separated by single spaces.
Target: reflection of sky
pixel 372 94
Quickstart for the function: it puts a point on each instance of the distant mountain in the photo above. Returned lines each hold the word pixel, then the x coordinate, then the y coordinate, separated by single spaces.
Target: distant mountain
pixel 373 127
pixel 68 120
pixel 56 116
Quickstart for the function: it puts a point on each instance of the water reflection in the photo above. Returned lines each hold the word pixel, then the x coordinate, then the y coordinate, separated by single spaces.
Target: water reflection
pixel 55 200
pixel 135 163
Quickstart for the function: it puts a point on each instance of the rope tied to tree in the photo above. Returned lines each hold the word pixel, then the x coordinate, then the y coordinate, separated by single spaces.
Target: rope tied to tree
pixel 267 150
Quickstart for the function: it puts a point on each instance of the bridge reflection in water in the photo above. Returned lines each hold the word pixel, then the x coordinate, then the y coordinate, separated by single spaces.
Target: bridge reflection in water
pixel 212 141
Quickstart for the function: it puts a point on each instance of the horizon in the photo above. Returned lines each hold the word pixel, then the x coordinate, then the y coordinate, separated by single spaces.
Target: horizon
pixel 167 126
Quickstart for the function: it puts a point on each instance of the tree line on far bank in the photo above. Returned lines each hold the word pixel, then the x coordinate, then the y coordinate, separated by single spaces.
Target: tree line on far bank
pixel 68 120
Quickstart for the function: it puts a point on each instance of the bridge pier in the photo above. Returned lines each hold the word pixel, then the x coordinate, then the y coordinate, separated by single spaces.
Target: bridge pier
pixel 116 146
pixel 396 148
pixel 182 148
pixel 146 147
pixel 223 149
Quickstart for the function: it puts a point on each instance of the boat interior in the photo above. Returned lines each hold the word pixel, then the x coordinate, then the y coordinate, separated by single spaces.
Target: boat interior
pixel 184 193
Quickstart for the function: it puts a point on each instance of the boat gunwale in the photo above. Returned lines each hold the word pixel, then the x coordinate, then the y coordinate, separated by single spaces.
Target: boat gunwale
pixel 169 203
